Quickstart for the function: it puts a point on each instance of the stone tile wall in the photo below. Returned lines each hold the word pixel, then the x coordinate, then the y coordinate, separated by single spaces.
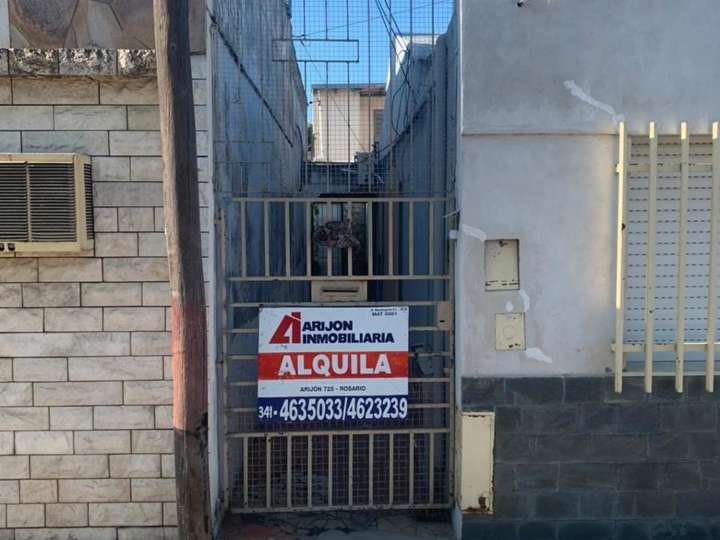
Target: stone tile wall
pixel 86 445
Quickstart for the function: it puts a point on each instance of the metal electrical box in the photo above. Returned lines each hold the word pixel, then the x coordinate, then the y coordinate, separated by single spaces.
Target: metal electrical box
pixel 502 268
pixel 510 331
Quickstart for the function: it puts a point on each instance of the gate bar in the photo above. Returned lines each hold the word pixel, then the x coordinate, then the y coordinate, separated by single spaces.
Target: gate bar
pixel 411 470
pixel 391 240
pixel 268 473
pixel 712 282
pixel 310 471
pixel 682 259
pixel 411 238
pixel 431 468
pixel 350 469
pixel 308 238
pixel 650 261
pixel 287 238
pixel 288 471
pixel 243 238
pixel 371 467
pixel 330 469
pixel 370 253
pixel 350 249
pixel 431 238
pixel 391 473
pixel 620 259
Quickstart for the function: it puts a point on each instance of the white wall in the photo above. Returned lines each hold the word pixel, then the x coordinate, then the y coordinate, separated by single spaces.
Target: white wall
pixel 542 90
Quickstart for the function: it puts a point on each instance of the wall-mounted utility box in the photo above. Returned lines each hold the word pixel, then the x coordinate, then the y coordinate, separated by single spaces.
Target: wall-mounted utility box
pixel 339 291
pixel 502 268
pixel 474 458
pixel 510 331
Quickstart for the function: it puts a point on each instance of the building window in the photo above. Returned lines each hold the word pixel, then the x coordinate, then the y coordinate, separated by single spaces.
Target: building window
pixel 667 256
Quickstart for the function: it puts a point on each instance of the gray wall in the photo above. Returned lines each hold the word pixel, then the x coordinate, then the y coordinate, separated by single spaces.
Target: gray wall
pixel 542 90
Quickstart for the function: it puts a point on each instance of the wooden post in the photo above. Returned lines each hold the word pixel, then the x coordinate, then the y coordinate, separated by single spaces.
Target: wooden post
pixel 182 229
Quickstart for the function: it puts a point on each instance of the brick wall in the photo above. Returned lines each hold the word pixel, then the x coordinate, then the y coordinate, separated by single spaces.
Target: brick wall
pixel 575 460
pixel 86 446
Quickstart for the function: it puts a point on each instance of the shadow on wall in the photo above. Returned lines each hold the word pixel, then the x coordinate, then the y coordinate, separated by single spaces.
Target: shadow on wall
pixel 112 24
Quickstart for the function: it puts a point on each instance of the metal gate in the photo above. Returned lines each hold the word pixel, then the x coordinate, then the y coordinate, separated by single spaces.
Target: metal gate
pixel 402 257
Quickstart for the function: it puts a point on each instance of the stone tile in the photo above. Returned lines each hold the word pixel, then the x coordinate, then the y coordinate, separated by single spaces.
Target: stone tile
pixel 26 118
pixel 93 143
pixel 153 490
pixel 9 491
pixel 113 368
pixel 18 270
pixel 134 319
pixel 33 61
pixel 14 467
pixel 135 143
pixel 58 91
pixel 163 415
pixel 148 533
pixel 150 343
pixel 116 245
pixel 125 514
pixel 25 515
pixel 51 295
pixel 94 490
pixel 129 92
pixel 140 194
pixel 66 515
pixel 23 418
pixel 73 320
pixel 157 441
pixel 148 392
pixel 10 295
pixel 135 466
pixel 44 442
pixel 143 117
pixel 38 491
pixel 15 394
pixel 21 320
pixel 136 219
pixel 152 245
pixel 65 344
pixel 102 442
pixel 168 465
pixel 39 369
pixel 111 169
pixel 123 417
pixel 111 294
pixel 6 370
pixel 5 91
pixel 71 418
pixel 69 467
pixel 88 62
pixel 200 92
pixel 78 393
pixel 106 220
pixel 96 117
pixel 156 294
pixel 77 269
pixel 93 533
pixel 146 169
pixel 136 269
pixel 137 63
pixel 169 514
pixel 7 446
pixel 9 140
pixel 199 66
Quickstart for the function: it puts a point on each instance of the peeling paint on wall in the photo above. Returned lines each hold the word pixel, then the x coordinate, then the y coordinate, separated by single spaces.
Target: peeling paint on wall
pixel 535 353
pixel 509 307
pixel 580 94
pixel 525 300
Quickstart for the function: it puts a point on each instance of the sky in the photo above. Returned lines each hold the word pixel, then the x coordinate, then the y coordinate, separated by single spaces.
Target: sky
pixel 356 35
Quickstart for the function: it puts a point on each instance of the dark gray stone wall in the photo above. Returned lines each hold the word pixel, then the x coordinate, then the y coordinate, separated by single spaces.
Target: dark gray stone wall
pixel 575 460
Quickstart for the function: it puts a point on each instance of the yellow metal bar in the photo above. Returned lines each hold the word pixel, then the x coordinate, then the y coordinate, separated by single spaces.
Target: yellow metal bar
pixel 650 261
pixel 682 259
pixel 712 282
pixel 620 257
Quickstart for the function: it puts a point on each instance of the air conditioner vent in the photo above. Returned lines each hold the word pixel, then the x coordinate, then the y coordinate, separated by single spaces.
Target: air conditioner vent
pixel 45 203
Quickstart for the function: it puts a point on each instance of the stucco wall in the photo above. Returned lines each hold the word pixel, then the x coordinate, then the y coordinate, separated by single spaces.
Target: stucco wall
pixel 542 90
pixel 86 441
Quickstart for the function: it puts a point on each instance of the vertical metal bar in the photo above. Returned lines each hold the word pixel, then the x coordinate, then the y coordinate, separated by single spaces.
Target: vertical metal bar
pixel 288 471
pixel 268 473
pixel 391 471
pixel 431 468
pixel 391 239
pixel 266 233
pixel 330 469
pixel 243 237
pixel 431 238
pixel 308 238
pixel 370 254
pixel 411 471
pixel 350 249
pixel 350 469
pixel 328 250
pixel 650 261
pixel 287 238
pixel 371 468
pixel 246 464
pixel 310 471
pixel 712 281
pixel 682 258
pixel 619 364
pixel 411 238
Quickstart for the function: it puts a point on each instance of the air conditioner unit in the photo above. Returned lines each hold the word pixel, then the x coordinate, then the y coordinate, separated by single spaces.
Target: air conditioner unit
pixel 45 203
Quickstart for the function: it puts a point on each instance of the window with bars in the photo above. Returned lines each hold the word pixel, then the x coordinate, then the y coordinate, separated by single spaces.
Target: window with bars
pixel 667 256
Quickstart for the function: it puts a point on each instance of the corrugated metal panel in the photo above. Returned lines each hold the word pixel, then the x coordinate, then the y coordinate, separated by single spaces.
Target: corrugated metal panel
pixel 52 202
pixel 13 202
pixel 89 213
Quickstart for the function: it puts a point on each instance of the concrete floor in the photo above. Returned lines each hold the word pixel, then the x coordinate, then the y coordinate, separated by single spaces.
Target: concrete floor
pixel 334 526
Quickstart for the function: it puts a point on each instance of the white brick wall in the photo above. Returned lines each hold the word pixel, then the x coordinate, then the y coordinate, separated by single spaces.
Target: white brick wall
pixel 86 442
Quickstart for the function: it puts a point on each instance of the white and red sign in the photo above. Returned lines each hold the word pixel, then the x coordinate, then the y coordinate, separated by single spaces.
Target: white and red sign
pixel 338 364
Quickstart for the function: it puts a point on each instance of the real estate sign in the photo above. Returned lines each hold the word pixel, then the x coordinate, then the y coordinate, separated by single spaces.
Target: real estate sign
pixel 332 364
